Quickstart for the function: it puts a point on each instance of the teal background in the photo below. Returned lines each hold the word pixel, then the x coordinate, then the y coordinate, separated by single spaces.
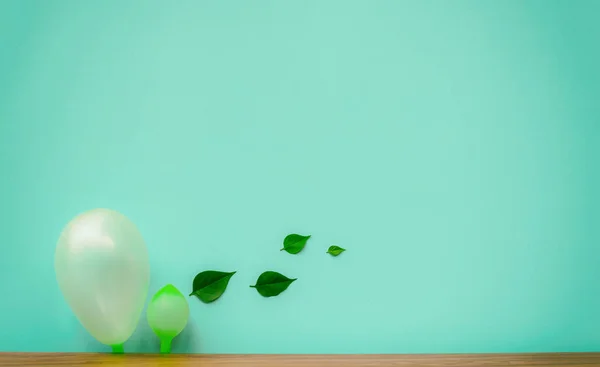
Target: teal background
pixel 451 146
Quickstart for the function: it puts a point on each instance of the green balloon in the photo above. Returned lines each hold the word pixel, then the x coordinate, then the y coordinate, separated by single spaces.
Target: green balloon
pixel 168 314
pixel 102 268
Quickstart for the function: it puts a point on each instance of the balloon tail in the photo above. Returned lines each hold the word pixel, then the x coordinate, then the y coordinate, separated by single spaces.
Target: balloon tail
pixel 117 349
pixel 165 346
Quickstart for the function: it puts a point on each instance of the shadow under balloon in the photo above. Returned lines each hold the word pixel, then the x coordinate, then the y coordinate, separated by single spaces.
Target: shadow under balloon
pixel 189 340
pixel 144 340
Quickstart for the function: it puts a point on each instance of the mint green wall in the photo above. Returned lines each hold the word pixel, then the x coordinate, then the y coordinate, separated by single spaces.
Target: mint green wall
pixel 451 146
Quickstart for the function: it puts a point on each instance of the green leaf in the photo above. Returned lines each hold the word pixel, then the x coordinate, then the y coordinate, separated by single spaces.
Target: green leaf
pixel 209 285
pixel 335 250
pixel 294 243
pixel 271 283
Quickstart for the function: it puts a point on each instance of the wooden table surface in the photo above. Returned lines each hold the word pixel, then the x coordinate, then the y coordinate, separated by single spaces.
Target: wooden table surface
pixel 141 360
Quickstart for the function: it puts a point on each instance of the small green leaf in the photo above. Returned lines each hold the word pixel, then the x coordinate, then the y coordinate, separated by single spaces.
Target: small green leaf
pixel 209 285
pixel 271 283
pixel 335 250
pixel 294 243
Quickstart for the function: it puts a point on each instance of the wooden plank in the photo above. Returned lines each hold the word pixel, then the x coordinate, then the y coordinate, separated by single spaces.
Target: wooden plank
pixel 229 360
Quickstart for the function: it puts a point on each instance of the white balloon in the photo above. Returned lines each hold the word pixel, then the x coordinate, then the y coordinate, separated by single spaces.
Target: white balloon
pixel 102 268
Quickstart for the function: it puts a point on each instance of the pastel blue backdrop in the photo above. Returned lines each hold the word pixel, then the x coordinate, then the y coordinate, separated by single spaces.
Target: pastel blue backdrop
pixel 451 146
